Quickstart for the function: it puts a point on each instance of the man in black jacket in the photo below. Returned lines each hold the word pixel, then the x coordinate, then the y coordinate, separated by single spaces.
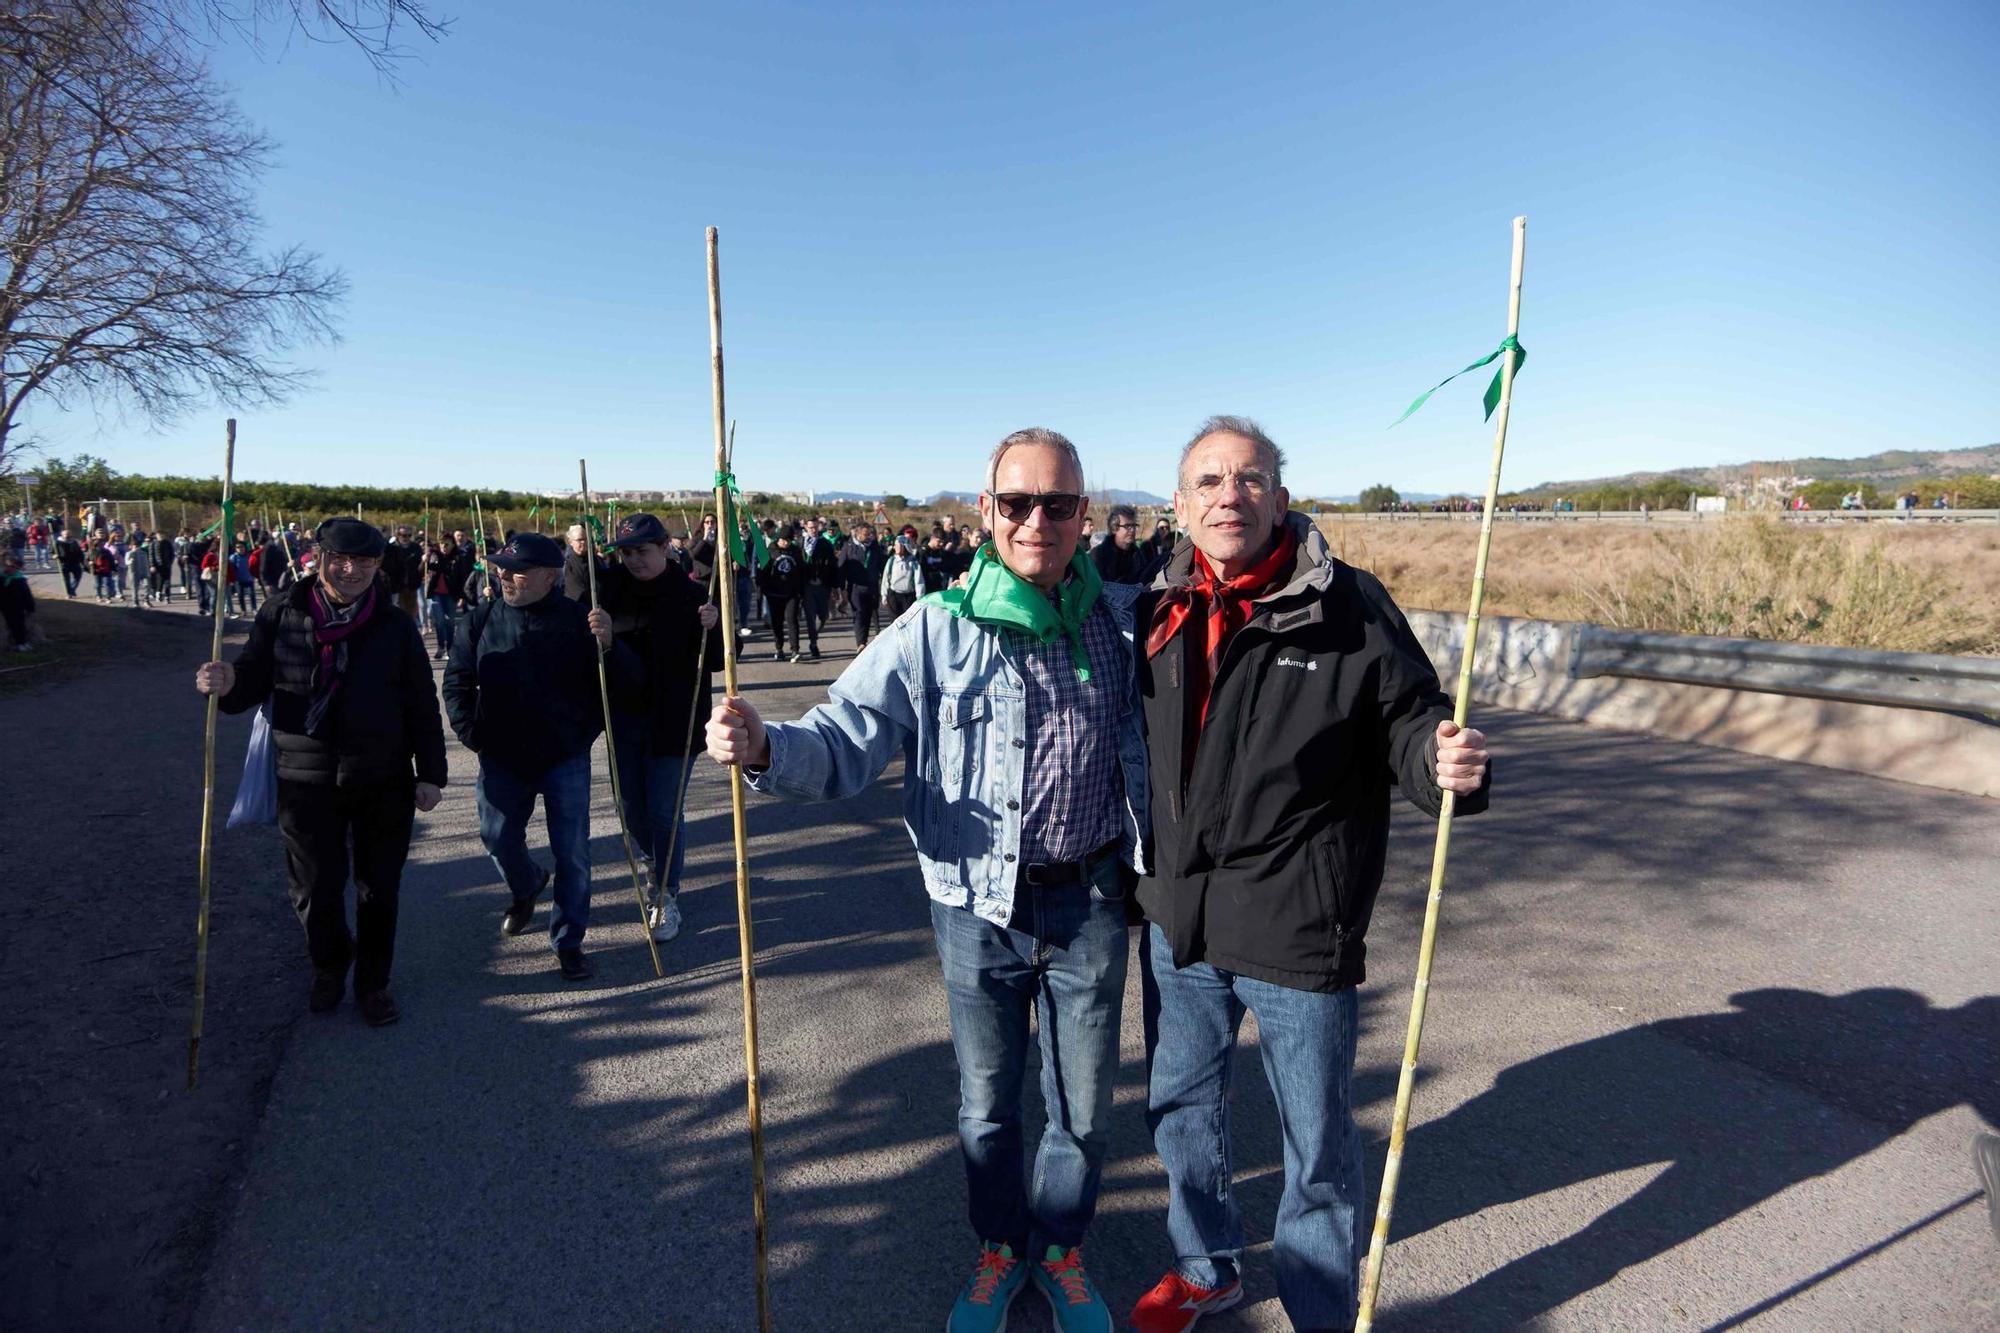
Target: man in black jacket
pixel 1120 558
pixel 862 561
pixel 822 573
pixel 675 634
pixel 403 567
pixel 576 574
pixel 783 583
pixel 521 692
pixel 354 716
pixel 1284 694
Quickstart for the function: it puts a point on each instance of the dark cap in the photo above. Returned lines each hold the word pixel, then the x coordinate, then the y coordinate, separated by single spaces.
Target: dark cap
pixel 350 536
pixel 528 550
pixel 637 530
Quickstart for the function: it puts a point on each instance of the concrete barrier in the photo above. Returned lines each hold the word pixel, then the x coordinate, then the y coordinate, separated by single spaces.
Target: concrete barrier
pixel 1530 665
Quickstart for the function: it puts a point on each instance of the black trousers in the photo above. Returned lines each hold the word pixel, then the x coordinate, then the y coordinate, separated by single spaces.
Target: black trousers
pixel 788 614
pixel 900 602
pixel 863 600
pixel 329 831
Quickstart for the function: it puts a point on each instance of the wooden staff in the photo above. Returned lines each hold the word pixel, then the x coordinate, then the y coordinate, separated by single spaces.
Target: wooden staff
pixel 727 584
pixel 694 715
pixel 611 746
pixel 290 563
pixel 1371 1275
pixel 208 758
pixel 479 544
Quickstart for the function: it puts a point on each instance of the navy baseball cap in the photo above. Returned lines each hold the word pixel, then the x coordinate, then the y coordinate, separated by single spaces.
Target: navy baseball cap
pixel 637 530
pixel 529 550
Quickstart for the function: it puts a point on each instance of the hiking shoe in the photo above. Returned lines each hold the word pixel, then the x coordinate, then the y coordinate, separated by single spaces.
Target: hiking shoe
pixel 327 988
pixel 1175 1304
pixel 798 658
pixel 378 1008
pixel 1986 1156
pixel 1074 1305
pixel 665 920
pixel 574 966
pixel 521 912
pixel 982 1304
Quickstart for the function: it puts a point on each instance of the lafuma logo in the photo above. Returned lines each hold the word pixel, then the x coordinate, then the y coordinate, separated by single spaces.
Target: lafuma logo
pixel 1304 664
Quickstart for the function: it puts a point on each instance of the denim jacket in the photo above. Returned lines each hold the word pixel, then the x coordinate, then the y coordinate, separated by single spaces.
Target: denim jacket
pixel 943 691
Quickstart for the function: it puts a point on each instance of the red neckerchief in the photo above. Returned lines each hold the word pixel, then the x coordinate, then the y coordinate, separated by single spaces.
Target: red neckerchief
pixel 1225 606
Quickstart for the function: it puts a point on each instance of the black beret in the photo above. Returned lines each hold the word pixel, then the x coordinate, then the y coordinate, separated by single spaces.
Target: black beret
pixel 350 536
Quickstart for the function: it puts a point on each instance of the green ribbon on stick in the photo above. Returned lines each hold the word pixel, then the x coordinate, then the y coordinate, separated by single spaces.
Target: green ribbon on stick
pixel 1508 343
pixel 727 482
pixel 213 526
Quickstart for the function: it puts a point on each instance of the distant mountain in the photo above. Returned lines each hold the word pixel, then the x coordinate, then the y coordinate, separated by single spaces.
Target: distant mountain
pixel 1892 467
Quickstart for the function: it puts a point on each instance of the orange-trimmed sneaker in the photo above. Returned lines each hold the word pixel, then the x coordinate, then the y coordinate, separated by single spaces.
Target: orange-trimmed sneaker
pixel 1175 1304
pixel 982 1304
pixel 1074 1304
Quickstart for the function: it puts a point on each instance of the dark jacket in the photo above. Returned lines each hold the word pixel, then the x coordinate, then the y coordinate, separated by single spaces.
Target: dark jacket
pixel 521 686
pixel 1269 853
pixel 861 565
pixel 659 620
pixel 402 566
pixel 784 574
pixel 702 555
pixel 822 562
pixel 939 565
pixel 576 576
pixel 386 715
pixel 1134 564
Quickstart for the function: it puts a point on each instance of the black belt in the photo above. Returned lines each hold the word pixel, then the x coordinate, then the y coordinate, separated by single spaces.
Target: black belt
pixel 1048 874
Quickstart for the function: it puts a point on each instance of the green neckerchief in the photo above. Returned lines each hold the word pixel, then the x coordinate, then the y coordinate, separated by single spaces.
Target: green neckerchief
pixel 995 595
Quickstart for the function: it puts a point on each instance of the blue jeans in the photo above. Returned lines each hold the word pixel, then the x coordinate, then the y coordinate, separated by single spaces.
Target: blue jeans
pixel 507 801
pixel 1063 956
pixel 649 787
pixel 1306 1039
pixel 441 614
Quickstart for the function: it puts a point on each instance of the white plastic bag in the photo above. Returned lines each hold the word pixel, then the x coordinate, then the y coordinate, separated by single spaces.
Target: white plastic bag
pixel 257 793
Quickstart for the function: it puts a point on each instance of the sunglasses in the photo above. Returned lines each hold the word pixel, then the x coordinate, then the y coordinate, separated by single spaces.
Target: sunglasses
pixel 1017 505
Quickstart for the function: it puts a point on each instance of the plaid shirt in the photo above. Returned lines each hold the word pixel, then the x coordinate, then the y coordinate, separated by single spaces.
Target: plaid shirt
pixel 1072 789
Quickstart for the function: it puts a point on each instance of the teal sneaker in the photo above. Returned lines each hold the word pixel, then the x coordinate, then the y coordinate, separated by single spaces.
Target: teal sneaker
pixel 982 1306
pixel 1073 1300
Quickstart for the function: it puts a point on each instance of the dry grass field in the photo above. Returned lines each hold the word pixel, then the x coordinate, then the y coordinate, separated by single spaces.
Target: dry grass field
pixel 1912 588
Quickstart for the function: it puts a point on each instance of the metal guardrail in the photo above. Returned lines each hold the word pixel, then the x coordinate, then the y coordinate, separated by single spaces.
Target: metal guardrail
pixel 1905 680
pixel 1679 516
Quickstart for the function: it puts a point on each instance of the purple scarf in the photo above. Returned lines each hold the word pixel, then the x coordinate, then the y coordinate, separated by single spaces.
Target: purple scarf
pixel 331 627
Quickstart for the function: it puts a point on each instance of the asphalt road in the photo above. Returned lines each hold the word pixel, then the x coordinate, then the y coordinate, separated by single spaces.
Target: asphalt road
pixel 1709 1038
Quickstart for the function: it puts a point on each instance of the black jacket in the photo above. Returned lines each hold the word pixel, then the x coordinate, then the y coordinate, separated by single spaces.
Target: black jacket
pixel 402 566
pixel 660 622
pixel 385 717
pixel 822 562
pixel 521 686
pixel 939 565
pixel 1268 855
pixel 784 575
pixel 576 576
pixel 702 554
pixel 1135 564
pixel 861 565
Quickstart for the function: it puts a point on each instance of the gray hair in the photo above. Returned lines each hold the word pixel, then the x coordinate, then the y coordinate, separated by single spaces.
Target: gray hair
pixel 1041 438
pixel 1268 452
pixel 1117 512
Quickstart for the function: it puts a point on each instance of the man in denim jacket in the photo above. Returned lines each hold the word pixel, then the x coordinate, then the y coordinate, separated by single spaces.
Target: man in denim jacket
pixel 1013 701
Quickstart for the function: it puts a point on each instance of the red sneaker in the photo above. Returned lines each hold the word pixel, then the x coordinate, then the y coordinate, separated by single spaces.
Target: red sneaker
pixel 1175 1304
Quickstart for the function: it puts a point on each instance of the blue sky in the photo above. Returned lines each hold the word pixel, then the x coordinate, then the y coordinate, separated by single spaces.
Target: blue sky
pixel 1754 231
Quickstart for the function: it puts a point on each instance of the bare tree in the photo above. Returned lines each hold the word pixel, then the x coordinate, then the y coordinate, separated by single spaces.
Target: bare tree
pixel 131 271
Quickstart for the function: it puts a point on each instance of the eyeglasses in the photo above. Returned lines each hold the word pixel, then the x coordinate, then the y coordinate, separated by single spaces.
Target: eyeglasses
pixel 1208 487
pixel 1018 505
pixel 1128 527
pixel 352 563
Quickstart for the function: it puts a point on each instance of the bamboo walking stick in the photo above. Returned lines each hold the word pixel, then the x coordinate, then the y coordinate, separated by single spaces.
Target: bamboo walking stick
pixel 694 717
pixel 725 578
pixel 208 758
pixel 479 544
pixel 611 747
pixel 1371 1276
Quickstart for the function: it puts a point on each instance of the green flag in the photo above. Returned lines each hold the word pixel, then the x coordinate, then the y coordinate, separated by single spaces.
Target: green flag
pixel 727 481
pixel 1510 342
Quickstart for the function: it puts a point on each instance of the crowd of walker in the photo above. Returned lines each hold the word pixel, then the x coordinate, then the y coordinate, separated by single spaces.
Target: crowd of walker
pixel 1193 733
pixel 1194 736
